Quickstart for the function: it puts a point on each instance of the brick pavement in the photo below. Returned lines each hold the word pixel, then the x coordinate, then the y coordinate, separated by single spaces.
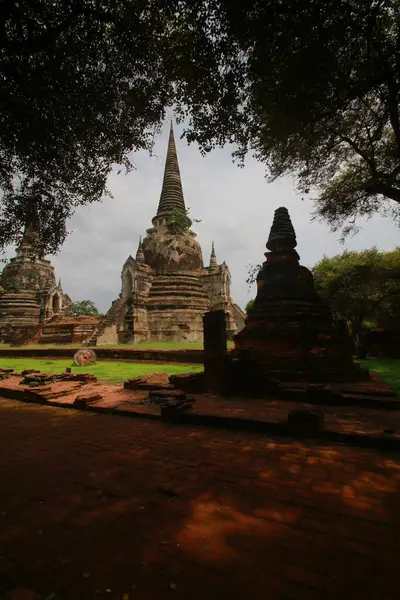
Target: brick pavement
pixel 90 503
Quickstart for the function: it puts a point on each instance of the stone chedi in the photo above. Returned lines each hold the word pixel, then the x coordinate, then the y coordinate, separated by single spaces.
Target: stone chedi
pixel 166 289
pixel 289 332
pixel 30 292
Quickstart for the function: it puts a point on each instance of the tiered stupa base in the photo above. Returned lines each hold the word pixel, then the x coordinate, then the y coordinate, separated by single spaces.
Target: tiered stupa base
pixel 19 318
pixel 176 306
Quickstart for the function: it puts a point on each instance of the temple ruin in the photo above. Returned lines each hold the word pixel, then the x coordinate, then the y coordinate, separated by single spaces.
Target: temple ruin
pixel 33 306
pixel 165 289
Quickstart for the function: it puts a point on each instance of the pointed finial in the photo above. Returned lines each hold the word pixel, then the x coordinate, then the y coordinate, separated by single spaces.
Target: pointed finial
pixel 171 194
pixel 59 282
pixel 139 252
pixel 282 234
pixel 213 259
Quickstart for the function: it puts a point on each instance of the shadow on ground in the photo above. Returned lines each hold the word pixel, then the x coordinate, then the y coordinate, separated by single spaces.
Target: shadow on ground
pixel 95 506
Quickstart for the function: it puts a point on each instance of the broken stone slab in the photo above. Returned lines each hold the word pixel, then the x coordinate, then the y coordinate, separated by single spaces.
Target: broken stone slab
pixel 83 400
pixel 152 381
pixel 188 382
pixel 85 377
pixel 29 372
pixel 35 380
pixel 172 410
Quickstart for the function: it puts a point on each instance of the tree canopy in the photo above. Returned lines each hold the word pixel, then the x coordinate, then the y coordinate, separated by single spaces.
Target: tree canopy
pixel 84 308
pixel 249 306
pixel 317 94
pixel 83 83
pixel 362 288
pixel 311 87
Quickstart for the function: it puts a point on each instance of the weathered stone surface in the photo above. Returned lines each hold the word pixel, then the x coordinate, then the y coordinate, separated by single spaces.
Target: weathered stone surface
pixel 191 383
pixel 85 356
pixel 83 400
pixel 154 381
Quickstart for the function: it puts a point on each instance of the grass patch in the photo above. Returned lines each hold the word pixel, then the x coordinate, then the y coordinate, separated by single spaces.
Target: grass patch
pixel 108 371
pixel 387 368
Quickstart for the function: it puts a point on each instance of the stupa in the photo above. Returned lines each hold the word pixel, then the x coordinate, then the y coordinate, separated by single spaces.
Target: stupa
pixel 289 333
pixel 31 294
pixel 165 289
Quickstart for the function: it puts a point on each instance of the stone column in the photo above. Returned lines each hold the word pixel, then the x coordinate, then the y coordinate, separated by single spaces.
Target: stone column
pixel 215 348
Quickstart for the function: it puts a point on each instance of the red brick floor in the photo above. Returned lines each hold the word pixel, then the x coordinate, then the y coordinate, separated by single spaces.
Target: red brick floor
pixel 98 506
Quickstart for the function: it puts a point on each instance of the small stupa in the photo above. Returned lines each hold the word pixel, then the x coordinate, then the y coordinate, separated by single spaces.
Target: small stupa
pixel 30 294
pixel 289 333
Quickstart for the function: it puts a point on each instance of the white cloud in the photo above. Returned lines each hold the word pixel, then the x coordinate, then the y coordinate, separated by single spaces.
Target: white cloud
pixel 236 207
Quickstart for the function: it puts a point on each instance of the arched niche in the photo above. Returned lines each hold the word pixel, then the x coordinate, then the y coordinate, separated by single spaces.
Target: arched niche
pixel 127 286
pixel 56 303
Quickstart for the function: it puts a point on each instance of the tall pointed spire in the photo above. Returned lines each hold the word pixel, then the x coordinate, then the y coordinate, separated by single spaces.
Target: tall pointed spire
pixel 171 194
pixel 213 259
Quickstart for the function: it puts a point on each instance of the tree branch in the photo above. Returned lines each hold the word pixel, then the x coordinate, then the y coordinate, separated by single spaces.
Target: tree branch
pixel 380 187
pixel 394 111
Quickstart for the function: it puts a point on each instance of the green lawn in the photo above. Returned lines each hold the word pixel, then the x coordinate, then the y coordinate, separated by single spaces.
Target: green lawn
pixel 112 371
pixel 387 368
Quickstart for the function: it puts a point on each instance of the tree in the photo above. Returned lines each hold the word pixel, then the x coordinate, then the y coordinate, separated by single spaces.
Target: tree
pixel 310 87
pixel 313 88
pixel 180 221
pixel 252 273
pixel 84 308
pixel 82 84
pixel 249 306
pixel 360 288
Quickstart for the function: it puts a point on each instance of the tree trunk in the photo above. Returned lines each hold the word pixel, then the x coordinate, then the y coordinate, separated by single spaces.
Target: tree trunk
pixel 358 337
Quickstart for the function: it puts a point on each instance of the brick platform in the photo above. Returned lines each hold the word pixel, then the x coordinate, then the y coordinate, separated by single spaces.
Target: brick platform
pixel 98 506
pixel 372 427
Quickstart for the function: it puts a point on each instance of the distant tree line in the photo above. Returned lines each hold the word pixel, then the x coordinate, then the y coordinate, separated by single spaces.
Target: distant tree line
pixel 362 289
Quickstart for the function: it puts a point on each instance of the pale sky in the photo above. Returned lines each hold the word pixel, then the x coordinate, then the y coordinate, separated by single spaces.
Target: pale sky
pixel 236 206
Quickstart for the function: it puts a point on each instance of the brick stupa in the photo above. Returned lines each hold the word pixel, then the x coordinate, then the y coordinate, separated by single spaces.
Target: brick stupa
pixel 166 289
pixel 289 333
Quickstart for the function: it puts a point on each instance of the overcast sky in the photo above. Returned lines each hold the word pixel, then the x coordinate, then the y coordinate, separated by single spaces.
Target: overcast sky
pixel 236 207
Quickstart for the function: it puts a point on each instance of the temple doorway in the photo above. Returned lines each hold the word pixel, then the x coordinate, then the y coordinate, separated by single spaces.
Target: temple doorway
pixel 128 285
pixel 56 304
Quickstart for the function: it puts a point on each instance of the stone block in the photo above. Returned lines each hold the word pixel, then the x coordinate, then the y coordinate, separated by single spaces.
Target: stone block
pixel 153 381
pixel 83 400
